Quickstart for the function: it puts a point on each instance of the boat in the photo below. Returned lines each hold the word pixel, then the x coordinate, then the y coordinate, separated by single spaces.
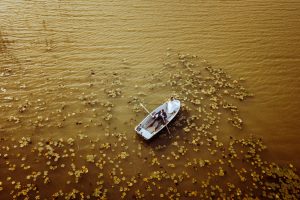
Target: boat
pixel 171 108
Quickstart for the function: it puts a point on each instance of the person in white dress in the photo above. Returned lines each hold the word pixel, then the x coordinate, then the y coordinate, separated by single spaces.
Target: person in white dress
pixel 172 106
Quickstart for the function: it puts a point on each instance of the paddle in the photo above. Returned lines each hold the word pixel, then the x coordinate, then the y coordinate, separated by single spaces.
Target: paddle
pixel 152 116
pixel 145 109
pixel 167 128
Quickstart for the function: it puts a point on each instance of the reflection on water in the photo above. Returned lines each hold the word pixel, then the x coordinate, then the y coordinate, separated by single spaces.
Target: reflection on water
pixel 73 75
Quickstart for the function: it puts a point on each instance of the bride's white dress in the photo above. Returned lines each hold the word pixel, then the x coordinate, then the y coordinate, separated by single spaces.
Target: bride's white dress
pixel 172 106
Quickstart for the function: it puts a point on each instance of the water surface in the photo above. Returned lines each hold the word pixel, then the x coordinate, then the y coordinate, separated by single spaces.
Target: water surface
pixel 67 65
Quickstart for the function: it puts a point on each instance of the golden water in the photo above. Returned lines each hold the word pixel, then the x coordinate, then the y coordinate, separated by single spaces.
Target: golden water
pixel 58 56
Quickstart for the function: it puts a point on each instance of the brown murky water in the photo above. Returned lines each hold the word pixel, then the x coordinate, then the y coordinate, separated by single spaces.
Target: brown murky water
pixel 73 73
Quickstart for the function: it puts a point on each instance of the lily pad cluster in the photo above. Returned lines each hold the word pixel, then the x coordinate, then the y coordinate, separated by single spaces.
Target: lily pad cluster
pixel 208 154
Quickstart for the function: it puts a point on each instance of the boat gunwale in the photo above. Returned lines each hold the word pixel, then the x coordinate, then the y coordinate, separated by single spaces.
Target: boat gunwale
pixel 170 118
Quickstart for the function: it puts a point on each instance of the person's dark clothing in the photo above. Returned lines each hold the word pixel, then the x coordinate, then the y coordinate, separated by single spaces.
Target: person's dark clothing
pixel 160 117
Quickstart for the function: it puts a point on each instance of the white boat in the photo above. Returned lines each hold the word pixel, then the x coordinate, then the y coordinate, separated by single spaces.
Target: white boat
pixel 147 132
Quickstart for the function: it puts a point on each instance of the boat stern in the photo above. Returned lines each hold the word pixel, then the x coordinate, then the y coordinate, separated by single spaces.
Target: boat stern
pixel 143 132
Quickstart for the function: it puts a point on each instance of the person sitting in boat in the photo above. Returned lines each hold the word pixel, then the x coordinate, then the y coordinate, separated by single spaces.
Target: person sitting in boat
pixel 161 117
pixel 172 106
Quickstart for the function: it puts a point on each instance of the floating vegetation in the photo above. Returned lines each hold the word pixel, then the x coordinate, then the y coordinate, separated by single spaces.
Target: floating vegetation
pixel 24 141
pixel 90 158
pixel 198 160
pixel 114 92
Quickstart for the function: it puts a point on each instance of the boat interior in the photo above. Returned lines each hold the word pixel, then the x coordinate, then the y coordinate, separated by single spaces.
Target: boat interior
pixel 149 120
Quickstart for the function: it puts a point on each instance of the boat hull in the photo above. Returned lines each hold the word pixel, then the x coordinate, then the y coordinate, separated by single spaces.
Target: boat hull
pixel 143 129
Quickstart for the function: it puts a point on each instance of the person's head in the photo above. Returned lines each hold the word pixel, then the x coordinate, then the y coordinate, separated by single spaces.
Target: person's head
pixel 172 98
pixel 162 110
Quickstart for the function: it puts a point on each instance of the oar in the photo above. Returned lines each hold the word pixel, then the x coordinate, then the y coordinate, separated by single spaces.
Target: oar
pixel 152 116
pixel 167 128
pixel 145 109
